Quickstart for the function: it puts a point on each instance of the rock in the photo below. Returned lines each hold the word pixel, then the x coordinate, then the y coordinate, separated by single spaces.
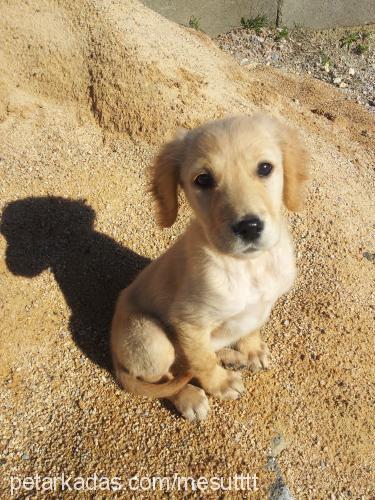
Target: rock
pixel 351 71
pixel 326 67
pixel 244 61
pixel 271 464
pixel 278 445
pixel 337 80
pixel 343 85
pixel 3 444
pixel 25 456
pixel 369 256
pixel 280 491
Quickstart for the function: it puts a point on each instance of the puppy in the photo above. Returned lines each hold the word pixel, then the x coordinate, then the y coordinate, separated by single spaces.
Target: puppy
pixel 200 305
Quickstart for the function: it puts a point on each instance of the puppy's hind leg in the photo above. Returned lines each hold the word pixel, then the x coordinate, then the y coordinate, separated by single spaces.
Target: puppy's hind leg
pixel 143 355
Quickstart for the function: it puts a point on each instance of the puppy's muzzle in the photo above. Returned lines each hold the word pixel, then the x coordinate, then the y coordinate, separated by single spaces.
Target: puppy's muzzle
pixel 248 229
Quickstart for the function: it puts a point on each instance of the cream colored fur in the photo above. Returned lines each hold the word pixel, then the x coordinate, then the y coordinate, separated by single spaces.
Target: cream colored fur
pixel 201 304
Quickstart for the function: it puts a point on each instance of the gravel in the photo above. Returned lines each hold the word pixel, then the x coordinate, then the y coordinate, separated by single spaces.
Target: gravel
pixel 321 54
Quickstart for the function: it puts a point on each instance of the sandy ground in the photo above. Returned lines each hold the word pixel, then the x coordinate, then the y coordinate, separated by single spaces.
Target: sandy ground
pixel 88 90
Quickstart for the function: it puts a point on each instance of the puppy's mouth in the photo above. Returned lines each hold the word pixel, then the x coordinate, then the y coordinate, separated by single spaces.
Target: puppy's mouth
pixel 231 244
pixel 235 246
pixel 252 249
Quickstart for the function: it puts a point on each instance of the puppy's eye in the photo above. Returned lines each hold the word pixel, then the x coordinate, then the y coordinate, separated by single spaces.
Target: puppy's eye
pixel 264 169
pixel 204 181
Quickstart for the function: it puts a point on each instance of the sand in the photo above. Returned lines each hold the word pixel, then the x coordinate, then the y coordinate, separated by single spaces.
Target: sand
pixel 88 91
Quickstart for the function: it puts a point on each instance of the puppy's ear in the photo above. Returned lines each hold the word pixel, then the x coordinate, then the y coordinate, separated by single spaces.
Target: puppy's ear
pixel 165 178
pixel 296 168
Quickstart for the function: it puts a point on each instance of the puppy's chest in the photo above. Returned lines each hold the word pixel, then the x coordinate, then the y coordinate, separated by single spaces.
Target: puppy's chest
pixel 251 291
pixel 254 286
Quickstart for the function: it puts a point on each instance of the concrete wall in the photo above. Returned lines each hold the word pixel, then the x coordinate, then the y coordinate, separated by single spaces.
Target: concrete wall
pixel 218 16
pixel 327 13
pixel 215 16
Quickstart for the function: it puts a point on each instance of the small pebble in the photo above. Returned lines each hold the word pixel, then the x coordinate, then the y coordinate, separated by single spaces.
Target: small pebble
pixel 278 445
pixel 369 256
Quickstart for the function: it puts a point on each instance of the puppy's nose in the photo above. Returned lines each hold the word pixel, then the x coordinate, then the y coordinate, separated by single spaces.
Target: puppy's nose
pixel 248 229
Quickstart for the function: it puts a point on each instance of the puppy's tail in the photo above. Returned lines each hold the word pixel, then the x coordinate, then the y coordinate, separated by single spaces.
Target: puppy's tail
pixel 163 390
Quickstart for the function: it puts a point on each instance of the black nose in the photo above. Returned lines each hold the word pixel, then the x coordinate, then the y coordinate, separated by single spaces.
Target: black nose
pixel 248 229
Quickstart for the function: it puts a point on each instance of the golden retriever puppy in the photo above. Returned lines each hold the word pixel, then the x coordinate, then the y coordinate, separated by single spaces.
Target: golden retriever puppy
pixel 200 305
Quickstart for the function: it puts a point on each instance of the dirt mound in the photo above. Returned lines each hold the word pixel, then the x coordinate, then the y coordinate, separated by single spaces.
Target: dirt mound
pixel 87 91
pixel 89 53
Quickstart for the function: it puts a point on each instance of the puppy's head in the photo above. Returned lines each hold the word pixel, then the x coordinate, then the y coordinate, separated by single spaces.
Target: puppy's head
pixel 235 173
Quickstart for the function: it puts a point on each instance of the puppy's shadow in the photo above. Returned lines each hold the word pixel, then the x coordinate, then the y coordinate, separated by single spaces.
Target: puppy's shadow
pixel 90 268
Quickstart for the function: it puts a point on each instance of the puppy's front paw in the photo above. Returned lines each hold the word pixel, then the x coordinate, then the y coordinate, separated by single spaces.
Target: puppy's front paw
pixel 192 403
pixel 232 388
pixel 230 358
pixel 259 359
pixel 224 384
